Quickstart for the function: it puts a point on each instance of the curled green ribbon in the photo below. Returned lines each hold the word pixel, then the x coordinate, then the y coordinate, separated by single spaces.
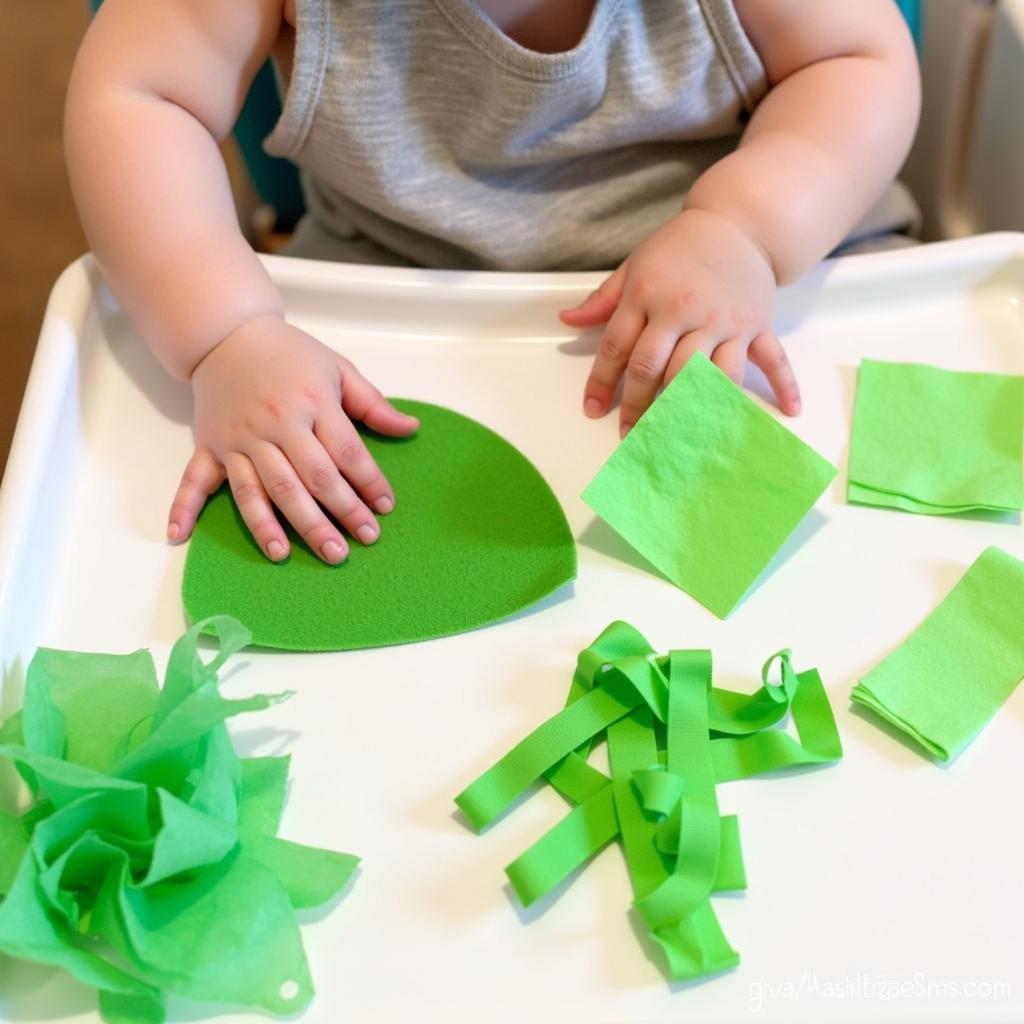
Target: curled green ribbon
pixel 672 738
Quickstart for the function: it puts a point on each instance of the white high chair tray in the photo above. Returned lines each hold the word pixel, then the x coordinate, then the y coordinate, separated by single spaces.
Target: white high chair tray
pixel 882 888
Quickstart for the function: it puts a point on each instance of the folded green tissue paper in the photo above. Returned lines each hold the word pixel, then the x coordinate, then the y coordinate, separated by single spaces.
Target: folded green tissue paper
pixel 476 535
pixel 147 863
pixel 936 441
pixel 707 486
pixel 672 738
pixel 956 670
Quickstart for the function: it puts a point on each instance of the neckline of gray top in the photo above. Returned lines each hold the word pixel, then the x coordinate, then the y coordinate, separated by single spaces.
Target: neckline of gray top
pixel 480 30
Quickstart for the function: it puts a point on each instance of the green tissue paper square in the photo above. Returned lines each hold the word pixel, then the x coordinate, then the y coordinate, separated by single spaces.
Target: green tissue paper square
pixel 707 486
pixel 960 665
pixel 936 441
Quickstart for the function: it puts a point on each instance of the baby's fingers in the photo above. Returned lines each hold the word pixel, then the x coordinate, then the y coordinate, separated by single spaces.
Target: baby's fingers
pixel 287 492
pixel 613 352
pixel 322 479
pixel 770 357
pixel 731 358
pixel 344 445
pixel 702 339
pixel 599 305
pixel 365 404
pixel 203 475
pixel 255 508
pixel 645 371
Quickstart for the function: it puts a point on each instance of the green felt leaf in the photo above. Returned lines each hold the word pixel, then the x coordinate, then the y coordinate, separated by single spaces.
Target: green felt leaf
pixel 476 535
pixel 960 439
pixel 955 671
pixel 707 486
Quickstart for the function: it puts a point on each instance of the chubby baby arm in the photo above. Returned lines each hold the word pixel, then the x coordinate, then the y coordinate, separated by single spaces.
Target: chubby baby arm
pixel 157 83
pixel 819 150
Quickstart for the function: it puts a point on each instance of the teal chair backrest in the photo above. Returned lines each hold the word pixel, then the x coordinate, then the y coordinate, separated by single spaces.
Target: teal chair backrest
pixel 276 181
pixel 912 12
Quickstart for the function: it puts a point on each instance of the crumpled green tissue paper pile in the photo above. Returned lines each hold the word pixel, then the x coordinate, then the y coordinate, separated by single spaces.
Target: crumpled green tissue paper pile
pixel 147 863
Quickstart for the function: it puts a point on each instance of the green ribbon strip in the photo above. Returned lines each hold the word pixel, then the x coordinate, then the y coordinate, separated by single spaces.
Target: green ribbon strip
pixel 672 737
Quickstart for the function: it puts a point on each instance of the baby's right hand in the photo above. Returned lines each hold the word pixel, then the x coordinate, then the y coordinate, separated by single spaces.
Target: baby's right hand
pixel 273 414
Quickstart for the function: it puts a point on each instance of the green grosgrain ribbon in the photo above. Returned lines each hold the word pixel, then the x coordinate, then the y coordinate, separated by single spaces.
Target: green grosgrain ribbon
pixel 671 738
pixel 148 861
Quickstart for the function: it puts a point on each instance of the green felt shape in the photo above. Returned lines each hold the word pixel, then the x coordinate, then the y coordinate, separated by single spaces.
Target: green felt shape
pixel 476 536
pixel 936 441
pixel 672 737
pixel 707 486
pixel 955 671
pixel 148 863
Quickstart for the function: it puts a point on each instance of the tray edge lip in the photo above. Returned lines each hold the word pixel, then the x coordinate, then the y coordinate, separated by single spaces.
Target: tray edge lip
pixel 300 273
pixel 56 356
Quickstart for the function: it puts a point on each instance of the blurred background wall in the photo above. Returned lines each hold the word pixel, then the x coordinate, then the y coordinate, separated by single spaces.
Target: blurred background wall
pixel 39 232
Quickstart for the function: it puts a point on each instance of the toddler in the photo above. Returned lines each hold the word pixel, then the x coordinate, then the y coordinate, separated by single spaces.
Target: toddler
pixel 711 150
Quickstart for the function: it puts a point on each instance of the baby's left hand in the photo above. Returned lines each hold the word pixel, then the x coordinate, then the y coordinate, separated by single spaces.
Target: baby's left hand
pixel 698 283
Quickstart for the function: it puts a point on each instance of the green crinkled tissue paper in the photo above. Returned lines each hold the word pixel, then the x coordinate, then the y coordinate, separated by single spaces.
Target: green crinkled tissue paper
pixel 672 738
pixel 476 535
pixel 707 486
pixel 936 441
pixel 147 862
pixel 955 671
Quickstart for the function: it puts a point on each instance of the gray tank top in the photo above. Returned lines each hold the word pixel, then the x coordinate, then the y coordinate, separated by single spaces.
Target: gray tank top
pixel 427 137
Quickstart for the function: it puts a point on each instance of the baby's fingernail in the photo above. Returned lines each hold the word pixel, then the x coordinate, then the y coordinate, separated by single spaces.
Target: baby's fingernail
pixel 173 531
pixel 367 533
pixel 624 429
pixel 383 505
pixel 332 551
pixel 592 407
pixel 795 404
pixel 275 549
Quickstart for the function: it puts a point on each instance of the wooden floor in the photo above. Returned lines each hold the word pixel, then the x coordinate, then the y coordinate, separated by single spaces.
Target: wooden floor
pixel 39 231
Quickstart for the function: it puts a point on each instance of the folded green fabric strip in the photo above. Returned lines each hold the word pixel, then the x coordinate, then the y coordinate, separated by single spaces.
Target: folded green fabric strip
pixel 671 738
pixel 148 863
pixel 707 486
pixel 936 441
pixel 956 670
